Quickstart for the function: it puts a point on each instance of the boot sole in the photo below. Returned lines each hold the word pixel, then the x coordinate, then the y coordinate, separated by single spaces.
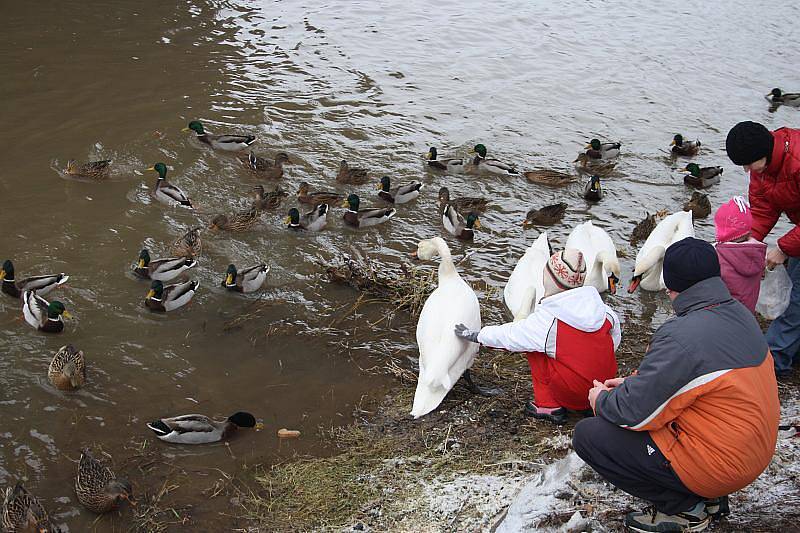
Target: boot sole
pixel 658 529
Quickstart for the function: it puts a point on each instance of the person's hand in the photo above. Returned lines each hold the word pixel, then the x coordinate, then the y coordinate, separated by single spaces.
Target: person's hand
pixel 775 257
pixel 466 334
pixel 594 392
pixel 613 382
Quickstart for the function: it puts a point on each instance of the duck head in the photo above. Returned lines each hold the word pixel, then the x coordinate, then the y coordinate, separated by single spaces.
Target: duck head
pixel 218 222
pixel 677 140
pixel 480 150
pixel 144 258
pixel 156 291
pixel 118 490
pixel 594 184
pixel 230 276
pixel 242 419
pixel 293 218
pixel 56 309
pixel 302 190
pixel 282 158
pixel 444 195
pixel 161 168
pixel 473 222
pixel 7 272
pixel 594 144
pixel 693 168
pixel 352 202
pixel 385 184
pixel 195 126
pixel 432 154
pixel 776 93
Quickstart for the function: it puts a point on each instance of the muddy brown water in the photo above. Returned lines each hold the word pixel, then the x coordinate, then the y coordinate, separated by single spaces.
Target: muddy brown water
pixel 373 83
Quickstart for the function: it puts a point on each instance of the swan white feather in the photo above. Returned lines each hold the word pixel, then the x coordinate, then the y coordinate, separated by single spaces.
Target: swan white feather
pixel 525 287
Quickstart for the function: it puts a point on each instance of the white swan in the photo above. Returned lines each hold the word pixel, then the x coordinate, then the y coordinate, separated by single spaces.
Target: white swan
pixel 649 261
pixel 525 287
pixel 600 254
pixel 443 357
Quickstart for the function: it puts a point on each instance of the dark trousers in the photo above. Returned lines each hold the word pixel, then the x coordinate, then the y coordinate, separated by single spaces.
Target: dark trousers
pixel 631 461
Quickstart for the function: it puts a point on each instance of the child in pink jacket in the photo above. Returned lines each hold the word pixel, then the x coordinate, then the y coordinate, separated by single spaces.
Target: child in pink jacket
pixel 742 259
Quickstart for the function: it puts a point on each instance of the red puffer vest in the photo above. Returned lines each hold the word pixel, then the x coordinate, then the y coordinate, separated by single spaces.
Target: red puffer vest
pixel 777 190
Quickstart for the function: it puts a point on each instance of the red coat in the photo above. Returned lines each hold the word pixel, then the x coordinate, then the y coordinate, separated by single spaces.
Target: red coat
pixel 777 190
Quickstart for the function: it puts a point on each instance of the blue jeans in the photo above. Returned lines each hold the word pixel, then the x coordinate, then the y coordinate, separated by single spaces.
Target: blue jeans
pixel 783 335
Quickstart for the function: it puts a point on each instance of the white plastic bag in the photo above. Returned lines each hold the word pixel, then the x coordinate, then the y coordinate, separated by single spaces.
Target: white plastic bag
pixel 776 288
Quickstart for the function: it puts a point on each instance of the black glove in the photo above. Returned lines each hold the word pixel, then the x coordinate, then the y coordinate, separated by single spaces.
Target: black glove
pixel 466 334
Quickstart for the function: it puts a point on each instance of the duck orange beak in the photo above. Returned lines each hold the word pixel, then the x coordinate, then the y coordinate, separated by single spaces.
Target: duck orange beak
pixel 229 279
pixel 477 224
pixel 150 293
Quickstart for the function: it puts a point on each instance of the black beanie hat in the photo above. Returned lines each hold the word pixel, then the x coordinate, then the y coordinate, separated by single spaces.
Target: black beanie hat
pixel 689 261
pixel 748 142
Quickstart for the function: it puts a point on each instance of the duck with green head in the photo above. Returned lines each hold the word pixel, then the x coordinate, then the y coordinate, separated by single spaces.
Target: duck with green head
pixel 778 97
pixel 480 164
pixel 43 315
pixel 200 429
pixel 165 269
pixel 162 298
pixel 248 280
pixel 41 284
pixel 363 218
pixel 682 147
pixel 314 220
pixel 400 194
pixel 701 177
pixel 593 191
pixel 167 193
pixel 226 143
pixel 454 165
pixel 602 150
pixel 457 225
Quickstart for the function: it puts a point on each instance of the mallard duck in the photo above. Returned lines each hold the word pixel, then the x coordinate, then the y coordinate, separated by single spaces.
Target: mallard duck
pixel 701 178
pixel 525 286
pixel 593 191
pixel 353 176
pixel 98 488
pixel 776 96
pixel 190 245
pixel 266 168
pixel 267 200
pixel 41 284
pixel 199 429
pixel 67 369
pixel 451 165
pixel 240 221
pixel 600 254
pixel 96 170
pixel 585 164
pixel 398 195
pixel 43 315
pixel 248 280
pixel 168 298
pixel 545 216
pixel 227 143
pixel 465 203
pixel 443 357
pixel 364 218
pixel 165 269
pixel 683 147
pixel 597 150
pixel 544 176
pixel 167 193
pixel 699 205
pixel 22 511
pixel 492 166
pixel 455 224
pixel 314 220
pixel 648 270
pixel 643 229
pixel 317 197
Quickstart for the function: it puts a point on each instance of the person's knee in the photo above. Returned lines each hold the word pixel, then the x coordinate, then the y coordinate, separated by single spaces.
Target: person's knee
pixel 582 437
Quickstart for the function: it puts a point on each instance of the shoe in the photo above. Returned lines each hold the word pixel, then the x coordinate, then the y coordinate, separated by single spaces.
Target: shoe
pixel 653 521
pixel 717 507
pixel 556 415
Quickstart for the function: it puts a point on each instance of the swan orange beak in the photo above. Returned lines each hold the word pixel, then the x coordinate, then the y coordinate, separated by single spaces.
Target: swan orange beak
pixel 634 284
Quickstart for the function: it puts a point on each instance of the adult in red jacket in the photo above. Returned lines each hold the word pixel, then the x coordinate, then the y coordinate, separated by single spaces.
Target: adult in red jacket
pixel 773 160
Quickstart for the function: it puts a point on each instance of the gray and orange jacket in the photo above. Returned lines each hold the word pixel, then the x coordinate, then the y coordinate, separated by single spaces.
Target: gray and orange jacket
pixel 705 391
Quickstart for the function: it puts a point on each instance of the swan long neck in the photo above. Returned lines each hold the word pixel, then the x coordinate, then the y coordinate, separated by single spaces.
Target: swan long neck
pixel 446 266
pixel 527 303
pixel 650 260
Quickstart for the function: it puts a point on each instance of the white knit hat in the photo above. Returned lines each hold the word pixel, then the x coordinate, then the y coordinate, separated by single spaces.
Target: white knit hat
pixel 565 270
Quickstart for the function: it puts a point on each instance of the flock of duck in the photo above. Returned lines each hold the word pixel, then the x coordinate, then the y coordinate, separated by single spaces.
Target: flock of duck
pixel 443 358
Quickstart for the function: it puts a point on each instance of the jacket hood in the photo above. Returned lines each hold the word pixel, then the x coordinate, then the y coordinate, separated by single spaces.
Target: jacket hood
pixel 581 308
pixel 746 258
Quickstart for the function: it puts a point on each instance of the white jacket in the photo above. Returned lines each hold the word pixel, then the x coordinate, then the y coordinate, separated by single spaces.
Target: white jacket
pixel 581 308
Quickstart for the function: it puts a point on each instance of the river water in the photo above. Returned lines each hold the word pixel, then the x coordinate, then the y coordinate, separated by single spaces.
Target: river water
pixel 375 83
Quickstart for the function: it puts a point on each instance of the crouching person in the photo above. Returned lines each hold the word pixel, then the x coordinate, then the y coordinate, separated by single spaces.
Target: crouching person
pixel 569 338
pixel 700 418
